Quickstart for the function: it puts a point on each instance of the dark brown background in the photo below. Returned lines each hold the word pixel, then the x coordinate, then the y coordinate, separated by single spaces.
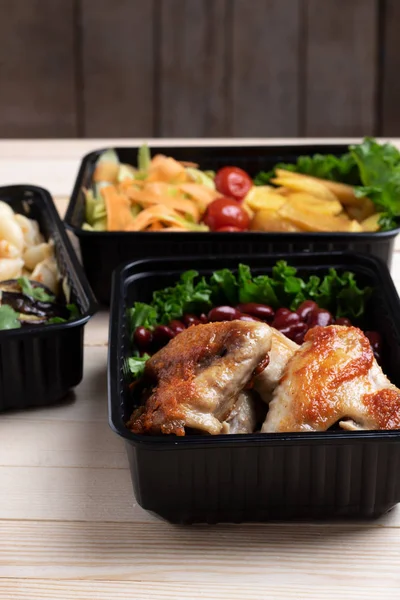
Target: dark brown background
pixel 137 68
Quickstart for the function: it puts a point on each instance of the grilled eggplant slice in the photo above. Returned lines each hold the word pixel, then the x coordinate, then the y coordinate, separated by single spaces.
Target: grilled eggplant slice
pixel 30 310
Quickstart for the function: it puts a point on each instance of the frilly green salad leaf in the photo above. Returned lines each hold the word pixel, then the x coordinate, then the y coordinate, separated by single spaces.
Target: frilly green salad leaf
pixel 372 167
pixel 324 166
pixel 379 168
pixel 339 293
pixel 37 293
pixel 187 296
pixel 136 365
pixel 8 318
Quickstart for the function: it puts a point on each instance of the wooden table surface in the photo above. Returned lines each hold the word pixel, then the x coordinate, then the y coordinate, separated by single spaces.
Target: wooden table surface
pixel 69 524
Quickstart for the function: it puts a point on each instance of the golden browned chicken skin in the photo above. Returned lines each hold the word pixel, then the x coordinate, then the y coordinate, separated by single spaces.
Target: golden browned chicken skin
pixel 332 378
pixel 195 380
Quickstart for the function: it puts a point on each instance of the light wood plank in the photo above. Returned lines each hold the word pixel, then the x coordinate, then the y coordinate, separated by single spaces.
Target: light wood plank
pixel 96 331
pixel 152 552
pixel 43 589
pixel 193 71
pixel 51 443
pixel 37 69
pixel 118 67
pixel 341 74
pixel 68 494
pixel 265 67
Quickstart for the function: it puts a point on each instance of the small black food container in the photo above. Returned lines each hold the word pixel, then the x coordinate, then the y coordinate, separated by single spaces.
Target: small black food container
pixel 258 477
pixel 102 252
pixel 39 364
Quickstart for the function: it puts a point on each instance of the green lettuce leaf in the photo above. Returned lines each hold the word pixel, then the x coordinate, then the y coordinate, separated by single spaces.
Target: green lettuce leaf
pixel 136 365
pixel 258 289
pixel 142 315
pixel 379 168
pixel 37 293
pixel 185 297
pixel 8 318
pixel 224 287
pixel 325 166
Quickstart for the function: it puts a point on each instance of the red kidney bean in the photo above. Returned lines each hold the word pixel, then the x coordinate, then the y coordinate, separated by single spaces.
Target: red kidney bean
pixel 223 313
pixel 298 338
pixel 320 317
pixel 203 318
pixel 142 338
pixel 162 335
pixel 282 311
pixel 306 308
pixel 375 339
pixel 248 318
pixel 284 319
pixel 262 311
pixel 176 326
pixel 191 320
pixel 343 321
pixel 295 330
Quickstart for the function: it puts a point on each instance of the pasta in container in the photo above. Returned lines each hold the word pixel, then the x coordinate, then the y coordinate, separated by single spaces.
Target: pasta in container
pixel 45 302
pixel 24 251
pixel 31 288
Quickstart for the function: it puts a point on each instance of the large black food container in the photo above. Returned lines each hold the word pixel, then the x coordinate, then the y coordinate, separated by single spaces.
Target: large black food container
pixel 258 477
pixel 39 364
pixel 102 252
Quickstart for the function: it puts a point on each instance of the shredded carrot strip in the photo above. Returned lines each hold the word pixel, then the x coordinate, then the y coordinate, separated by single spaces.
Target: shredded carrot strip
pixel 181 205
pixel 118 209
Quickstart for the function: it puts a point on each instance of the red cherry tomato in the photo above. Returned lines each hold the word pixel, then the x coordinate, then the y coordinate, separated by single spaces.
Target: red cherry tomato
pixel 233 182
pixel 229 228
pixel 224 212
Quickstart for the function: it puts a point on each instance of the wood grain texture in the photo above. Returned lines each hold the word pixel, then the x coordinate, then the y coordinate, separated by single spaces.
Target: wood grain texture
pixel 242 555
pixel 193 93
pixel 37 83
pixel 117 67
pixel 341 68
pixel 62 444
pixel 44 589
pixel 70 527
pixel 265 67
pixel 390 56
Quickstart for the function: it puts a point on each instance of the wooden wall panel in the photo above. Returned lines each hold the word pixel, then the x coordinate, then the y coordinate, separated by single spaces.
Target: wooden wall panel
pixel 102 68
pixel 37 86
pixel 390 80
pixel 265 73
pixel 193 75
pixel 341 67
pixel 118 63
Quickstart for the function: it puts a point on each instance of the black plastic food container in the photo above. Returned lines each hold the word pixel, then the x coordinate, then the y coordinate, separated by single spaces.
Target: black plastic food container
pixel 39 364
pixel 258 477
pixel 102 252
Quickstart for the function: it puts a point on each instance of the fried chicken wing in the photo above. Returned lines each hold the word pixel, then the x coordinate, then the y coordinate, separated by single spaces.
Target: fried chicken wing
pixel 198 376
pixel 243 416
pixel 282 349
pixel 333 377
